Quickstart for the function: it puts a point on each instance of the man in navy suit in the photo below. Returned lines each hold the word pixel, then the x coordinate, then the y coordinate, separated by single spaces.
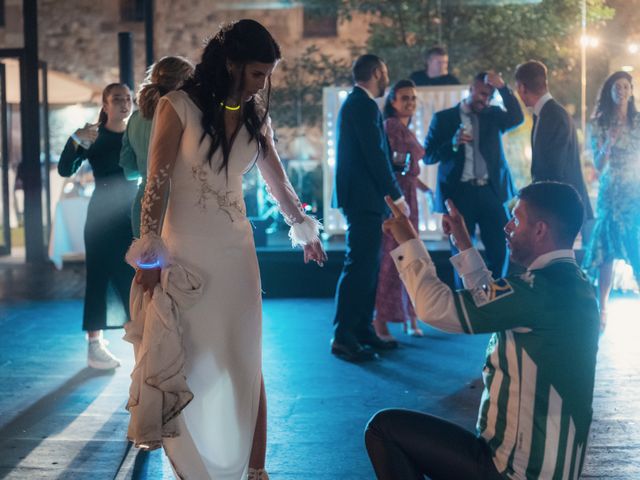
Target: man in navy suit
pixel 364 175
pixel 466 142
pixel 555 152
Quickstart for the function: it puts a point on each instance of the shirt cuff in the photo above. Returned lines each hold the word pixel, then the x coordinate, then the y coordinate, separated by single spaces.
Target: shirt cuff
pixel 408 252
pixel 399 200
pixel 467 261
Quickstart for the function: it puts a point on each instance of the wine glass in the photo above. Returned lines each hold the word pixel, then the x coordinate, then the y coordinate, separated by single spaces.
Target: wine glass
pixel 401 162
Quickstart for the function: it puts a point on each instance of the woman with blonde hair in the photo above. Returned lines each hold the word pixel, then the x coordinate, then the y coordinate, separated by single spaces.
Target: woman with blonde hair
pixel 164 76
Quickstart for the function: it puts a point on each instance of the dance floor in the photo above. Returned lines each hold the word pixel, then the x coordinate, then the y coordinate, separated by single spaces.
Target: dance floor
pixel 61 420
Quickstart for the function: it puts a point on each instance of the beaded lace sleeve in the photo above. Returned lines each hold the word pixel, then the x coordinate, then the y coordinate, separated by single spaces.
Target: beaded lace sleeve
pixel 149 250
pixel 304 229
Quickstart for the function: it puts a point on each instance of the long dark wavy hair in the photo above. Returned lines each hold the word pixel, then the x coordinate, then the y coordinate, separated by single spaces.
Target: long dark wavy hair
pixel 388 110
pixel 102 116
pixel 241 42
pixel 606 107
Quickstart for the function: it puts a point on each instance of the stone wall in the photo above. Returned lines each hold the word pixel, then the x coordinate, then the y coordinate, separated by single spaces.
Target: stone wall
pixel 11 32
pixel 80 37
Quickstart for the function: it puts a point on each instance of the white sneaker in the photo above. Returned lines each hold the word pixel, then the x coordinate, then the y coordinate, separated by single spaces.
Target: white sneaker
pixel 99 357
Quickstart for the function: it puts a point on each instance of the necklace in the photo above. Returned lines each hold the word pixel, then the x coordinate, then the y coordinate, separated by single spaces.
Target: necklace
pixel 227 107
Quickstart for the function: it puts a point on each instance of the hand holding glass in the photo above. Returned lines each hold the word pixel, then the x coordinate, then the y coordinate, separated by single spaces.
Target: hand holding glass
pixel 401 162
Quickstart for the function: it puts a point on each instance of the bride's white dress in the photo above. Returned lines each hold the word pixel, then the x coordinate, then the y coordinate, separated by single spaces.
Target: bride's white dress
pixel 205 229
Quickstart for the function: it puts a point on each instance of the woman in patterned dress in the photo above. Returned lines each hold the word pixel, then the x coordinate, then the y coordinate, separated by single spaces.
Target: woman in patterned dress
pixel 616 147
pixel 392 301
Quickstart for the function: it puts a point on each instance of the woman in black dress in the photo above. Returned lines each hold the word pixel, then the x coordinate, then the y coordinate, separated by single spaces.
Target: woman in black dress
pixel 107 232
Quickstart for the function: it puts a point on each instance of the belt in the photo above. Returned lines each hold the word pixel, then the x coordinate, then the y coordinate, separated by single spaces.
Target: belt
pixel 478 182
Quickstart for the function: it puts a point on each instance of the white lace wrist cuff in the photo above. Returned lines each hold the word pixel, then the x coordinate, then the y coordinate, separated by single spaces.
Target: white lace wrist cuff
pixel 305 232
pixel 148 252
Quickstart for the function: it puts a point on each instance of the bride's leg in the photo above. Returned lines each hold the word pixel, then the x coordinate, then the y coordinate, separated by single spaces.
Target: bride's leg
pixel 259 447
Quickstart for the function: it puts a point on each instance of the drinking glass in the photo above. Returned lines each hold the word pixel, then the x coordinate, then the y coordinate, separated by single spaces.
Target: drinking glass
pixel 401 162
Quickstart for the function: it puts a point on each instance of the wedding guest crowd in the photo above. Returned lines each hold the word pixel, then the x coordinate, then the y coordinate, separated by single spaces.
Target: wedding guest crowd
pixel 203 127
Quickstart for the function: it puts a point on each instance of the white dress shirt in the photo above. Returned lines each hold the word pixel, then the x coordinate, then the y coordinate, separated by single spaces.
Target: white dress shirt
pixel 468 171
pixel 432 299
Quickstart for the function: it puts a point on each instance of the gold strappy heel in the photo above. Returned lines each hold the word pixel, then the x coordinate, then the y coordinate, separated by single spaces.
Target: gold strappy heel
pixel 258 474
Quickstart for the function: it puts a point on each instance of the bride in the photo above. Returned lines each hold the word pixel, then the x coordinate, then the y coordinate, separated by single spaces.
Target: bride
pixel 205 137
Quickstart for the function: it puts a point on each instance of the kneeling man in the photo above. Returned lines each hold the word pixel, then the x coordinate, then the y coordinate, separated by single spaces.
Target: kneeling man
pixel 535 410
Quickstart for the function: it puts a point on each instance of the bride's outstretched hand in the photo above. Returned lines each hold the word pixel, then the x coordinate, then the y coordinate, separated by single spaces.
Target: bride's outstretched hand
pixel 315 253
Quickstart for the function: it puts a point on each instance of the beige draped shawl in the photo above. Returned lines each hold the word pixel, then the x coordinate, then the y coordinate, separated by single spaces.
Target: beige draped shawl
pixel 159 390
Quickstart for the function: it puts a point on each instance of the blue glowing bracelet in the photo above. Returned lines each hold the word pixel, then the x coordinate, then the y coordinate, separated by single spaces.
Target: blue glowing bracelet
pixel 150 266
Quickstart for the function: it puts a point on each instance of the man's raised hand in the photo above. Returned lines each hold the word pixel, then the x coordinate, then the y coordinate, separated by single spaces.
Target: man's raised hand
pixel 494 79
pixel 453 225
pixel 398 225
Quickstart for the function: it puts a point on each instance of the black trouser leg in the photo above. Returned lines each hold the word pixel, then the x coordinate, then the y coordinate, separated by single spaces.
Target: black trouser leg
pixel 466 203
pixel 95 294
pixel 122 273
pixel 122 279
pixel 492 220
pixel 481 206
pixel 356 289
pixel 107 237
pixel 404 444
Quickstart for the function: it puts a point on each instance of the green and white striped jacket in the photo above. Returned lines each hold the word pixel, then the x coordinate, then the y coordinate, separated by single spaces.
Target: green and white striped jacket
pixel 539 372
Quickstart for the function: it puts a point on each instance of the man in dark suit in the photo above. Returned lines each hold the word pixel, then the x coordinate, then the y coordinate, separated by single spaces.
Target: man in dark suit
pixel 466 141
pixel 555 152
pixel 364 175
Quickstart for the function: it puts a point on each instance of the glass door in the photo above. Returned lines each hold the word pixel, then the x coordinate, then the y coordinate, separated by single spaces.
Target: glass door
pixel 5 228
pixel 45 152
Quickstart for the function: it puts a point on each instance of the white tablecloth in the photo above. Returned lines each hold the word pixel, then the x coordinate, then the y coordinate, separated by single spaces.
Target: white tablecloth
pixel 67 231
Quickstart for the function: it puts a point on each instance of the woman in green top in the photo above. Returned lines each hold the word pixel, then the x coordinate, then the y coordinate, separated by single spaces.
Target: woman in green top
pixel 107 232
pixel 164 76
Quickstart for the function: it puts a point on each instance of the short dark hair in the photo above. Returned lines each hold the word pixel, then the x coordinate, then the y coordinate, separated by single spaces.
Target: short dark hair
pixel 439 50
pixel 364 66
pixel 559 205
pixel 533 75
pixel 479 77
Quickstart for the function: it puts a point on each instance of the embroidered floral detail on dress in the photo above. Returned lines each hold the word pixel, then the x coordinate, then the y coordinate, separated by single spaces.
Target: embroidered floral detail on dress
pixel 288 218
pixel 149 250
pixel 224 199
pixel 152 194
